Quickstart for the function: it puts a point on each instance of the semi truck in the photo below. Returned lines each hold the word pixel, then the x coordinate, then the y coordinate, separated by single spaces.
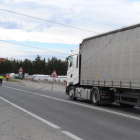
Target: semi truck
pixel 105 68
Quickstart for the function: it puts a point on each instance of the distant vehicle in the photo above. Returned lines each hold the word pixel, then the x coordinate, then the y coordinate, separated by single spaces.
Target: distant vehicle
pixel 21 76
pixel 106 68
pixel 17 76
pixel 12 75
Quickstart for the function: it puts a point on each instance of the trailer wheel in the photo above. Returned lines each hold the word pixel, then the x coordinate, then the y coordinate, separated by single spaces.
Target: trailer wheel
pixel 71 93
pixel 94 97
pixel 126 105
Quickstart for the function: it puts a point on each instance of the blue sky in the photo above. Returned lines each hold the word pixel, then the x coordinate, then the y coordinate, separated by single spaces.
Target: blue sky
pixel 98 16
pixel 47 46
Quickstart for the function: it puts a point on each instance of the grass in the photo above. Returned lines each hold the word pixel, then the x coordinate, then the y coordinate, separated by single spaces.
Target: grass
pixel 10 80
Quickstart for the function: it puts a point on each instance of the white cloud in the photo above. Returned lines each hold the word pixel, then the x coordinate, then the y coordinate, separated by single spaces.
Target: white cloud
pixel 54 35
pixel 15 51
pixel 85 14
pixel 95 15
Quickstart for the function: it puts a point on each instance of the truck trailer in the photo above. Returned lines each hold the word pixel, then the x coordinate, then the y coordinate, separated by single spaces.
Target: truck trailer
pixel 106 68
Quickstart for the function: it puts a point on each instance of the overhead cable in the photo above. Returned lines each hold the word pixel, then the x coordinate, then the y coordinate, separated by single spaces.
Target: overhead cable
pixel 32 47
pixel 70 72
pixel 47 20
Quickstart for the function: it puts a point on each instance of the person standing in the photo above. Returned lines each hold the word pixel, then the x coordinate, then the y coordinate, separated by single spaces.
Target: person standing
pixel 7 77
pixel 1 79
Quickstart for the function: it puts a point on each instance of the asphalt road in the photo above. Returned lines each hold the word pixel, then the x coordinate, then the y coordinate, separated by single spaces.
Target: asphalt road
pixel 79 118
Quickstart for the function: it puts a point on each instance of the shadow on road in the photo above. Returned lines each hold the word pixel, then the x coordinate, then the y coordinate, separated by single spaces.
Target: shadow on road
pixel 114 107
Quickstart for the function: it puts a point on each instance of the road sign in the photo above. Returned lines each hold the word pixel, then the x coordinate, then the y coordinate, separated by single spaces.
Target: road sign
pixel 54 74
pixel 20 71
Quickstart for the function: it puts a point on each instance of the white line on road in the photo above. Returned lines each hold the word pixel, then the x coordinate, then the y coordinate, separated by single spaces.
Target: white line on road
pixel 88 106
pixel 92 107
pixel 33 115
pixel 17 89
pixel 71 135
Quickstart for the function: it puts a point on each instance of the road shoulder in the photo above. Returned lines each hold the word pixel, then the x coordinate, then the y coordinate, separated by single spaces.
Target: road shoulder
pixel 25 127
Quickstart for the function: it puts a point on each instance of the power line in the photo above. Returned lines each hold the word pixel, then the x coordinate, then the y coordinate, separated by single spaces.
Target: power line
pixel 96 52
pixel 70 72
pixel 49 84
pixel 48 21
pixel 102 47
pixel 33 47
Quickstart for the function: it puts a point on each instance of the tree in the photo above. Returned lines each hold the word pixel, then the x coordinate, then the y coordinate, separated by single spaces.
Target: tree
pixel 37 66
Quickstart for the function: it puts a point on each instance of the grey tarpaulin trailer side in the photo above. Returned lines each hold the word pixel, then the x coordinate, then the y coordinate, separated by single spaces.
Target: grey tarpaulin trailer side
pixel 118 65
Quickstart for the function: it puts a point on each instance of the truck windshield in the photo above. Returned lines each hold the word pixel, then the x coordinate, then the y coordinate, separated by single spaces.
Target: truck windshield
pixel 70 61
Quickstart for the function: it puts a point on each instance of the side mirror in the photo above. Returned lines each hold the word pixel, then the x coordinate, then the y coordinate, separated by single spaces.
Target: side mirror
pixel 66 63
pixel 70 64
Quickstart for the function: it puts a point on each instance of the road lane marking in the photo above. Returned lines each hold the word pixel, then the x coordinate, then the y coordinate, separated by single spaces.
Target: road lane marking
pixel 71 135
pixel 83 105
pixel 31 114
pixel 43 120
pixel 17 89
pixel 92 107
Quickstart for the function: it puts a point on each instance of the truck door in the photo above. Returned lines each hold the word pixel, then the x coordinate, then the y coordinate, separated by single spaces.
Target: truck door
pixel 73 70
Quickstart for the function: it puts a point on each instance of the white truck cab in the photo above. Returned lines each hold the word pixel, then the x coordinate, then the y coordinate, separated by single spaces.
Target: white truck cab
pixel 73 67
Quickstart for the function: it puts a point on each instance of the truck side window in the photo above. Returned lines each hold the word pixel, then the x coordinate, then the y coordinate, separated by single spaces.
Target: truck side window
pixel 70 61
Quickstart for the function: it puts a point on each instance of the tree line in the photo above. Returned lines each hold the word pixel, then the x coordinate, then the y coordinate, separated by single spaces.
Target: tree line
pixel 37 66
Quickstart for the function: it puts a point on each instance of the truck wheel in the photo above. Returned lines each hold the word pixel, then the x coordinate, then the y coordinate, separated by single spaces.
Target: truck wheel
pixel 94 97
pixel 71 93
pixel 126 105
